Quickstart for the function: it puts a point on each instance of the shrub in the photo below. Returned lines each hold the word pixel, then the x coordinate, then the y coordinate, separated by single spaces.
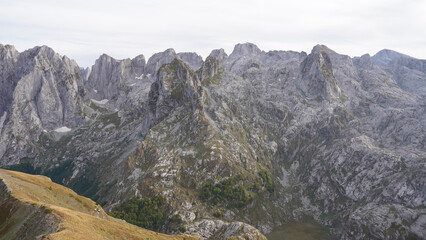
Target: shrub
pixel 182 228
pixel 218 214
pixel 46 209
pixel 24 167
pixel 147 213
pixel 266 180
pixel 226 193
pixel 175 219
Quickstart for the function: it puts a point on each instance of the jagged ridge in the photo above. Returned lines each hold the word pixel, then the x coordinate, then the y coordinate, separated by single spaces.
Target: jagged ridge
pixel 343 139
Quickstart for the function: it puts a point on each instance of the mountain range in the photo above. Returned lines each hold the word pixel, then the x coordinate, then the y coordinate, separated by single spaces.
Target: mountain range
pixel 258 137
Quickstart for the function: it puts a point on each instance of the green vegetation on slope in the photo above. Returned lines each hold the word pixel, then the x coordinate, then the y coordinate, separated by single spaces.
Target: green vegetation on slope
pixel 87 185
pixel 34 205
pixel 148 213
pixel 266 180
pixel 23 167
pixel 227 192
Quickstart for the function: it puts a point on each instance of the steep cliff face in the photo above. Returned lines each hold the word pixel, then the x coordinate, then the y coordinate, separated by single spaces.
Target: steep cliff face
pixel 47 93
pixel 108 75
pixel 317 78
pixel 409 73
pixel 260 137
pixel 9 58
pixel 176 85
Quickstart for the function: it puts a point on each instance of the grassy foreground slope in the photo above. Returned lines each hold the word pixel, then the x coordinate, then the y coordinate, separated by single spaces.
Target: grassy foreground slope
pixel 34 207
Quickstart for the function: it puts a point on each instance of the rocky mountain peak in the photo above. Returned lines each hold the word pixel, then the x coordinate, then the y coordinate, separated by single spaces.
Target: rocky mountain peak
pixel 245 49
pixel 364 61
pixel 105 57
pixel 176 84
pixel 385 56
pixel 211 67
pixel 219 53
pixel 139 57
pixel 193 59
pixel 44 51
pixel 139 64
pixel 108 74
pixel 8 51
pixel 317 79
pixel 158 59
pixel 86 73
pixel 8 59
pixel 322 48
pixel 50 89
pixel 170 51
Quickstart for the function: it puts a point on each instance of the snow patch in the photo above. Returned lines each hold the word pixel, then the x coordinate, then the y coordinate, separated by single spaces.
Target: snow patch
pixel 103 101
pixel 96 91
pixel 74 174
pixel 111 125
pixel 140 77
pixel 62 129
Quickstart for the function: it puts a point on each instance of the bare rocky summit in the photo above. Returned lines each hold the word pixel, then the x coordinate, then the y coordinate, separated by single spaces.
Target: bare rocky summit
pixel 257 137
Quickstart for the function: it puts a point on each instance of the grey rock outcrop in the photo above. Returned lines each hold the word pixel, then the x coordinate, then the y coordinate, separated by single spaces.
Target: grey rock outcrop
pixel 217 229
pixel 176 84
pixel 86 73
pixel 8 59
pixel 108 75
pixel 159 59
pixel 245 49
pixel 211 67
pixel 219 53
pixel 138 65
pixel 48 93
pixel 317 79
pixel 385 56
pixel 409 73
pixel 194 60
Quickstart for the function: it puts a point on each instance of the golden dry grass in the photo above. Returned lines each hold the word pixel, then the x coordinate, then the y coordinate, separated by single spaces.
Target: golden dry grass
pixel 81 218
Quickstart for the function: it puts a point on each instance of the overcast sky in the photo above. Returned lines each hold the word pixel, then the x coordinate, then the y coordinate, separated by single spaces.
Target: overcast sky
pixel 84 29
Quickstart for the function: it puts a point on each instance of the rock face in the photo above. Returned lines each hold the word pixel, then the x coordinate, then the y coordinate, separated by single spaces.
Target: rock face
pixel 409 73
pixel 9 58
pixel 159 59
pixel 260 137
pixel 176 85
pixel 217 229
pixel 317 79
pixel 194 60
pixel 44 91
pixel 107 75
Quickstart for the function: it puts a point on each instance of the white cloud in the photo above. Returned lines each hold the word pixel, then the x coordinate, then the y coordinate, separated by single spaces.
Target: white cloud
pixel 85 29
